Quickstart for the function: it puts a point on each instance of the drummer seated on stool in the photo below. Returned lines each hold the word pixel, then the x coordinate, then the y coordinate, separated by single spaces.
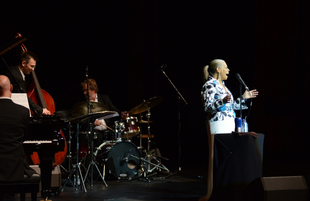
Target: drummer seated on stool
pixel 102 126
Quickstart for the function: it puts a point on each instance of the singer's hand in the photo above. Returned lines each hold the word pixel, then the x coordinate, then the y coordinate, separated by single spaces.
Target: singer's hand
pixel 250 94
pixel 227 99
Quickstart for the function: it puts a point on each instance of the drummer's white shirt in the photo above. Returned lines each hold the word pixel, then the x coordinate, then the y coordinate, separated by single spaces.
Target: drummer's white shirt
pixel 103 124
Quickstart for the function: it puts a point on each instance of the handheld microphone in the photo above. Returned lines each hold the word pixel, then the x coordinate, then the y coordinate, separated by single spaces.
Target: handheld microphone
pixel 238 76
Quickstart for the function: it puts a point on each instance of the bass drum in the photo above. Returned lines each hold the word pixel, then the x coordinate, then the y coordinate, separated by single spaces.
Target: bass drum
pixel 122 159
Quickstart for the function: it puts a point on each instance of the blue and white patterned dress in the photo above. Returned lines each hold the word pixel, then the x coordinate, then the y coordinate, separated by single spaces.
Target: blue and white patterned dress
pixel 221 116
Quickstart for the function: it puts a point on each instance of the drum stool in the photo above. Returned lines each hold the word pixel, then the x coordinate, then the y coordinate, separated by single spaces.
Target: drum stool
pixel 20 187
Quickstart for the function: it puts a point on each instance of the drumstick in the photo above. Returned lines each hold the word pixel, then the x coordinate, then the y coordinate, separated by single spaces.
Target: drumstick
pixel 106 126
pixel 101 124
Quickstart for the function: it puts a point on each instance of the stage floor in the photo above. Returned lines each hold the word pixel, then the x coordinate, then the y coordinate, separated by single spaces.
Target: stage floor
pixel 176 186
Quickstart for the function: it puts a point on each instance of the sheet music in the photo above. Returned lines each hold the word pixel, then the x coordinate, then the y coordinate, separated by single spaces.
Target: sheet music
pixel 21 99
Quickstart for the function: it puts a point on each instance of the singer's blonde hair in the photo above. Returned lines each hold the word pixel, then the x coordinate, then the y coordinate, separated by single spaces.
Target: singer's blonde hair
pixel 211 68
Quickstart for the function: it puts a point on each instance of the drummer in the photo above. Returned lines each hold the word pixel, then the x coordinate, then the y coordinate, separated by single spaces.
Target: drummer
pixel 102 125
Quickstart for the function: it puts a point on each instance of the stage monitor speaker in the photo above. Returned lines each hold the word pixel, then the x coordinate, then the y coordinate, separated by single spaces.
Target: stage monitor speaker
pixel 286 188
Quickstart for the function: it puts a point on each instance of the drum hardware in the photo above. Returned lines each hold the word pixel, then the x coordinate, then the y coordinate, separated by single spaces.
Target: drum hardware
pixel 156 166
pixel 79 180
pixel 92 163
pixel 146 105
pixel 119 129
pixel 78 177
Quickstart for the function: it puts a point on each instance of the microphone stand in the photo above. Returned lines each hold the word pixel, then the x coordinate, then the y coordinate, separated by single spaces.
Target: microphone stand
pixel 250 107
pixel 240 91
pixel 179 115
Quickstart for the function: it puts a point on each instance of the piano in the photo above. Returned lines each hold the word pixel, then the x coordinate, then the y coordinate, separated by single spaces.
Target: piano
pixel 44 137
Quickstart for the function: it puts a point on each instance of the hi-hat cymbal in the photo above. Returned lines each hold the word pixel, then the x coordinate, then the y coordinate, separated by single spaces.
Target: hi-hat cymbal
pixel 82 107
pixel 150 103
pixel 144 122
pixel 129 135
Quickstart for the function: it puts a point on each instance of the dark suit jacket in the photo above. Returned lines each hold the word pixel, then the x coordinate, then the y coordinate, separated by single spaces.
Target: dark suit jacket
pixel 20 86
pixel 14 120
pixel 107 101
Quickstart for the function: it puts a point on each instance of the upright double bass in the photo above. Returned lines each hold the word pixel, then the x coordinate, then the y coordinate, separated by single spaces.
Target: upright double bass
pixel 45 100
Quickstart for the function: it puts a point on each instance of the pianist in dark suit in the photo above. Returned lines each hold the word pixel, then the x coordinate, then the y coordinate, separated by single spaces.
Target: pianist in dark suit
pixel 16 74
pixel 96 97
pixel 14 121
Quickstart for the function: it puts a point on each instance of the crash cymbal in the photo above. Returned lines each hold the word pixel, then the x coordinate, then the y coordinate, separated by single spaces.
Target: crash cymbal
pixel 150 103
pixel 82 107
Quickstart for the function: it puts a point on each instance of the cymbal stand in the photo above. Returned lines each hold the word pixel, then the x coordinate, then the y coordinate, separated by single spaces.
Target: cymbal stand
pixel 149 155
pixel 76 167
pixel 92 162
pixel 91 126
pixel 70 147
pixel 148 137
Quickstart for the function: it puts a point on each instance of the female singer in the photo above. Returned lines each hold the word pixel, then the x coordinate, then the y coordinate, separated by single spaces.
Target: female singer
pixel 218 101
pixel 219 105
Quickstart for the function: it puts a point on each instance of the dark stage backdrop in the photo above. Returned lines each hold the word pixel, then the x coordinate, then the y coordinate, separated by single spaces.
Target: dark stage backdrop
pixel 124 43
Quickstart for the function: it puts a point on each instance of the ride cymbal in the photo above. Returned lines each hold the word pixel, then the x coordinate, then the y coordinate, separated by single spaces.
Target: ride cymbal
pixel 150 103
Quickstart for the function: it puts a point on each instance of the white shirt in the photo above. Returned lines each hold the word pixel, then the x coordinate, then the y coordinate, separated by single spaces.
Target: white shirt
pixel 23 75
pixel 103 124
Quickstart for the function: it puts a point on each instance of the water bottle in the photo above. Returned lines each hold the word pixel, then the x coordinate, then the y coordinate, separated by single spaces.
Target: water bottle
pixel 238 123
pixel 244 127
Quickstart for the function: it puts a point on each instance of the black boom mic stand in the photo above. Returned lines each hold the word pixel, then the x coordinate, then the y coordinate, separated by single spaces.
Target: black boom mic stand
pixel 180 97
pixel 242 83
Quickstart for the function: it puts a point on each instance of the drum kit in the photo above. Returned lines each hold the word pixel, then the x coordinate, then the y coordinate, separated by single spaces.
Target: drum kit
pixel 117 154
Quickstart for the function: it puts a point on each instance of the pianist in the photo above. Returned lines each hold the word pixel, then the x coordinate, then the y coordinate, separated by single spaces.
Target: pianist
pixel 14 121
